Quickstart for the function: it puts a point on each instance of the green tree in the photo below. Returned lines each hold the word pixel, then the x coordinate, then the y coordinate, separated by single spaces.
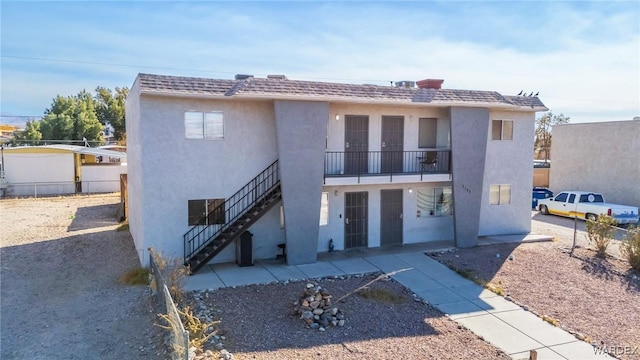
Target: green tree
pixel 543 131
pixel 72 118
pixel 110 109
pixel 29 136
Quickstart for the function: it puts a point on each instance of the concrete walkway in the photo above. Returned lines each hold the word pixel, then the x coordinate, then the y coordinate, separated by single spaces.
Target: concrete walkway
pixel 498 321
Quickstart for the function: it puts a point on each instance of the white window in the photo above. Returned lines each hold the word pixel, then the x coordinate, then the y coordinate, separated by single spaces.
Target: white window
pixel 499 194
pixel 435 201
pixel 502 130
pixel 203 125
pixel 324 209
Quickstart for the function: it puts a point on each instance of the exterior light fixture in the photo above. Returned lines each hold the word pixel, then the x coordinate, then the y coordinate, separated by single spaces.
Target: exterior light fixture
pixel 337 117
pixel 410 190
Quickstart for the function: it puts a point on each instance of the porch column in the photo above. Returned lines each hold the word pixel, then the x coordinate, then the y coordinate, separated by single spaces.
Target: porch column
pixel 302 129
pixel 469 133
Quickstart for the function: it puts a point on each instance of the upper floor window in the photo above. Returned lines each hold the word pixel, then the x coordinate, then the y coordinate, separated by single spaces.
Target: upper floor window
pixel 502 130
pixel 427 133
pixel 203 125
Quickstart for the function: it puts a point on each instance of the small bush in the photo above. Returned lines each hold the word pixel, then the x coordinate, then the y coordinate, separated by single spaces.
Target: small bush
pixel 137 276
pixel 496 288
pixel 630 247
pixel 199 332
pixel 123 227
pixel 174 274
pixel 551 320
pixel 600 233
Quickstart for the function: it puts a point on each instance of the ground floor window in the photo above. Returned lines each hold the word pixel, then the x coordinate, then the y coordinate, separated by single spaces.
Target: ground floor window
pixel 324 209
pixel 500 194
pixel 435 201
pixel 206 212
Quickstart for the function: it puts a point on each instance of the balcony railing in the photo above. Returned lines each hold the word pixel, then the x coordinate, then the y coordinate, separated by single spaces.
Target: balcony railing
pixel 386 163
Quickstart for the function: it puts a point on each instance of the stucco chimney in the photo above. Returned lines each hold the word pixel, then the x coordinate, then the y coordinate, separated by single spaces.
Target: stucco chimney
pixel 430 84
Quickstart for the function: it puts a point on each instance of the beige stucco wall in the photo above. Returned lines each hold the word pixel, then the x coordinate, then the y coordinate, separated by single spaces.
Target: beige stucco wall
pixel 601 157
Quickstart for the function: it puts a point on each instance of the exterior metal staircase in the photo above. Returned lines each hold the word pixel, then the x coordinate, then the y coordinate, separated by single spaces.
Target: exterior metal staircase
pixel 241 210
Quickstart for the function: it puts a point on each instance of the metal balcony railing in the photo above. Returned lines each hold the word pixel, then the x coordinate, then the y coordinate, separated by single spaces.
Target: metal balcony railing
pixel 386 163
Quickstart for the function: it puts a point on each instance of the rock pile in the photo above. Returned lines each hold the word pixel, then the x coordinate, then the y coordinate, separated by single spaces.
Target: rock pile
pixel 316 308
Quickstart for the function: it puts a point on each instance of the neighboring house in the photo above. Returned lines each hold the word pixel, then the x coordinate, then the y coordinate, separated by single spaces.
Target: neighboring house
pixel 60 169
pixel 326 164
pixel 602 157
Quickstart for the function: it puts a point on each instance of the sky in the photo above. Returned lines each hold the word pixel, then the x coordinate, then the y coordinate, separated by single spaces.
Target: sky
pixel 583 57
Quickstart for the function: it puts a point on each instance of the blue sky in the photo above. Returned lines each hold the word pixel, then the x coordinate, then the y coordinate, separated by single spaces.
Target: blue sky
pixel 582 56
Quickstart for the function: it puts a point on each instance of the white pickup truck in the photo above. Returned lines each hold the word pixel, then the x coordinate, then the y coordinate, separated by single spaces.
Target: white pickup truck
pixel 586 205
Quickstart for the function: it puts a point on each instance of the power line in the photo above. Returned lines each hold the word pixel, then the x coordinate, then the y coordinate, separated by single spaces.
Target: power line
pixel 166 68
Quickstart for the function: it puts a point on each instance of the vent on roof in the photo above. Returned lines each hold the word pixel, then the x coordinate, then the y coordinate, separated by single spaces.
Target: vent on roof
pixel 243 76
pixel 430 83
pixel 277 77
pixel 405 84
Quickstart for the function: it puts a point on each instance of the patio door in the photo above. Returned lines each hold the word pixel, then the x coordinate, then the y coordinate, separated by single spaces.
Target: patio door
pixel 392 143
pixel 391 217
pixel 356 219
pixel 356 144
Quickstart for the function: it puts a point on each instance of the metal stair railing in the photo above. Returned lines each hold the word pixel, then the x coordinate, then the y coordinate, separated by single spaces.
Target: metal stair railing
pixel 236 206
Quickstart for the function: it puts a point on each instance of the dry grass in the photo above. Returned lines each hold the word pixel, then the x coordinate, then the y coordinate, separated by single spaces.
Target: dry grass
pixel 382 295
pixel 137 276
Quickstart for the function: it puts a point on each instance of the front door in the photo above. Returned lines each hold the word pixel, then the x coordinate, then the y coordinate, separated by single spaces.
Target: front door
pixel 392 143
pixel 356 219
pixel 390 217
pixel 356 144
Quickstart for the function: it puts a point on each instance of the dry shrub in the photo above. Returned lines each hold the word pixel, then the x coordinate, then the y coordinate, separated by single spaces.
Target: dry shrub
pixel 630 247
pixel 199 332
pixel 174 273
pixel 600 233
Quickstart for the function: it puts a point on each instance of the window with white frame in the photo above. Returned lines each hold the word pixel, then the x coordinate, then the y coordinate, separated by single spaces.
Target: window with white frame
pixel 500 194
pixel 435 201
pixel 204 125
pixel 324 209
pixel 502 130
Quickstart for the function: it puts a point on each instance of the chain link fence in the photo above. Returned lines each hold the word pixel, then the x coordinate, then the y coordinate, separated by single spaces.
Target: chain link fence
pixel 179 337
pixel 36 189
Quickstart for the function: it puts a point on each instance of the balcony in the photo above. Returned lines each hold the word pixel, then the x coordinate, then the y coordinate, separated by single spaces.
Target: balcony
pixel 375 167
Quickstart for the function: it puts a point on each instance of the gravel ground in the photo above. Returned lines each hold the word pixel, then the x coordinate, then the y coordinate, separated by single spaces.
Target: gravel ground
pixel 596 298
pixel 61 258
pixel 259 322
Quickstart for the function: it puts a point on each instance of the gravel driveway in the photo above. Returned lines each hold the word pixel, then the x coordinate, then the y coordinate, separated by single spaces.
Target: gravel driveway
pixel 61 258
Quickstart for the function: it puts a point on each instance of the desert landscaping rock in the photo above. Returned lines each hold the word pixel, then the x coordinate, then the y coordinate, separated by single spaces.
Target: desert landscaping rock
pixel 369 328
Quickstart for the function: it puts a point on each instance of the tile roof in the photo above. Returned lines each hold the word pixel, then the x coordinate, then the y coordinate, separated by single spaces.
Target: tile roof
pixel 252 87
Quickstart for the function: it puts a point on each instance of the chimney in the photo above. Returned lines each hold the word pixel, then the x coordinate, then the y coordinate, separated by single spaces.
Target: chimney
pixel 277 77
pixel 430 84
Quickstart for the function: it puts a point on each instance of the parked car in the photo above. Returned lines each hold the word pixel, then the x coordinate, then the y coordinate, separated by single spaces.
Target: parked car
pixel 540 193
pixel 586 205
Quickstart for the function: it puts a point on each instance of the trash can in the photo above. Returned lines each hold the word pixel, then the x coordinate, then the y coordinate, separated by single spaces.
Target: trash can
pixel 540 193
pixel 244 249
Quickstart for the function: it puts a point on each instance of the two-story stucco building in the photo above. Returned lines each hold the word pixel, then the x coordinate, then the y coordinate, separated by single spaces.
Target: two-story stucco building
pixel 313 165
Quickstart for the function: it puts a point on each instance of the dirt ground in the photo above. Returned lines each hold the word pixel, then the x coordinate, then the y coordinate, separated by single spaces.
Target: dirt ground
pixel 60 262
